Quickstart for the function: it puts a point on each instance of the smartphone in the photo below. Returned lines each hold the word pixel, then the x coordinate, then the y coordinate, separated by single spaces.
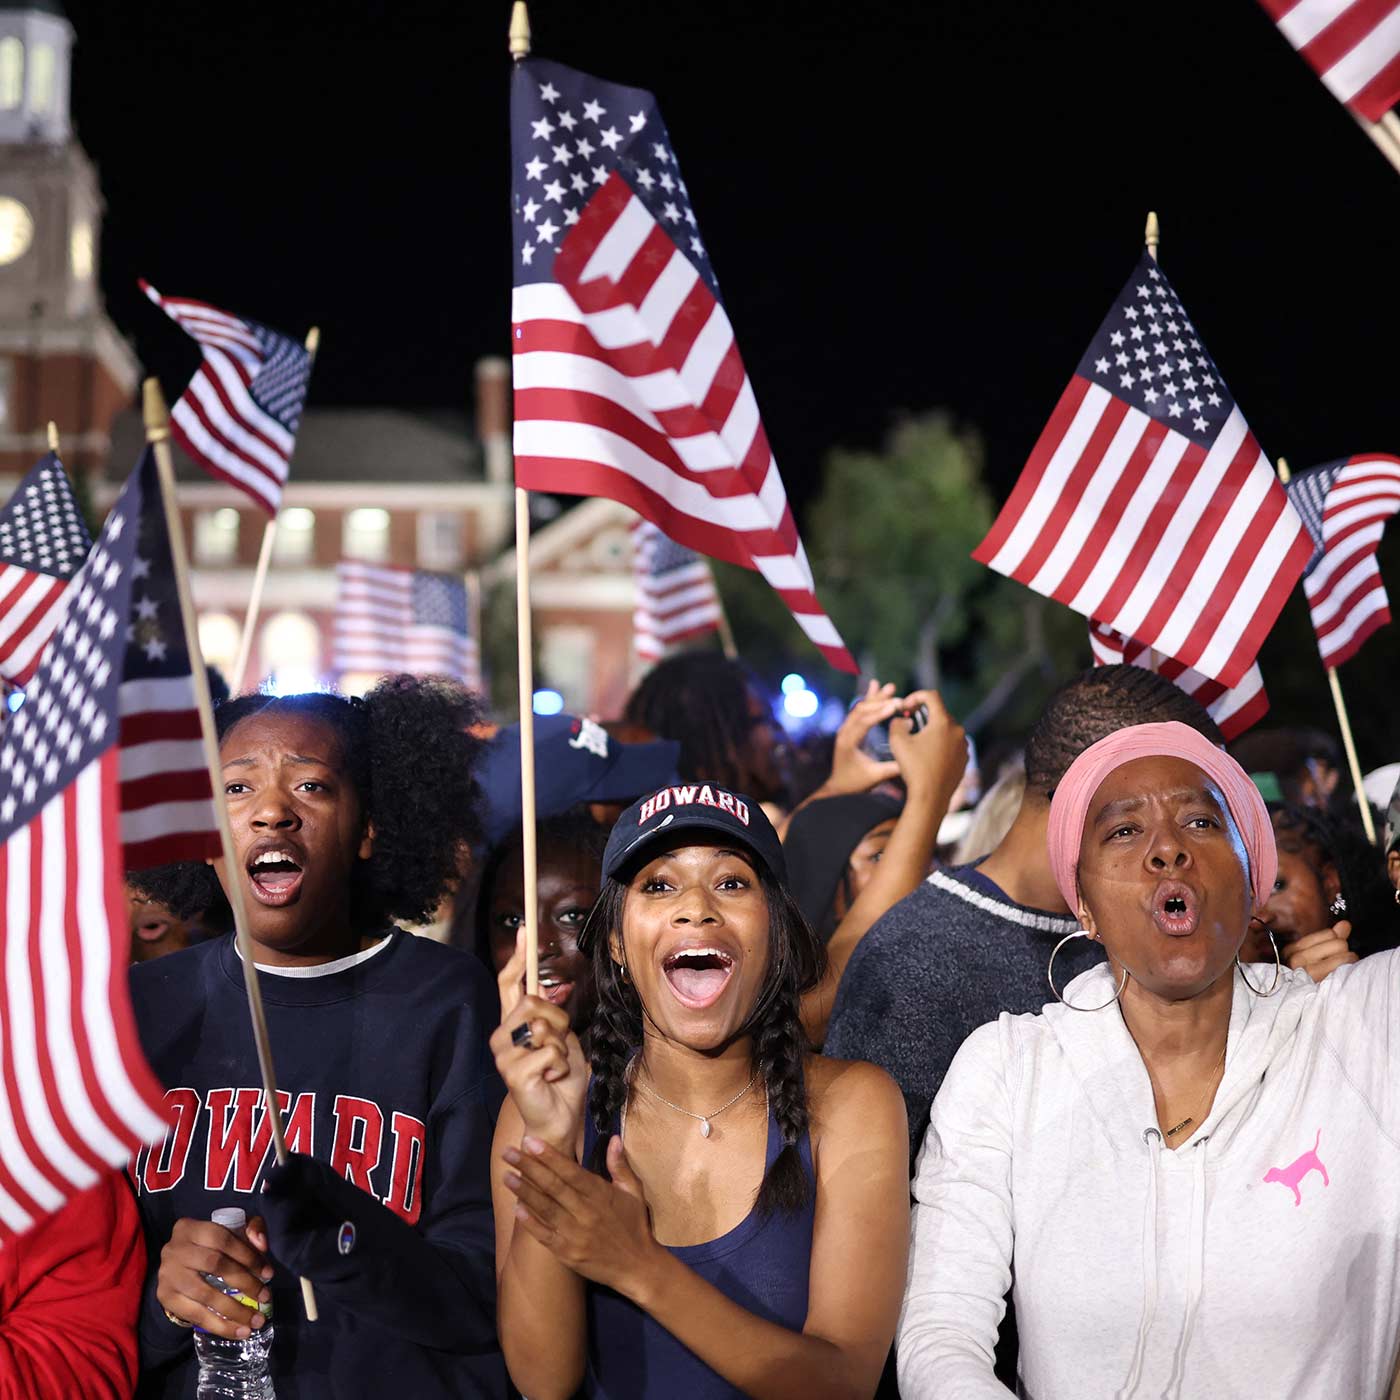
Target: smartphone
pixel 877 742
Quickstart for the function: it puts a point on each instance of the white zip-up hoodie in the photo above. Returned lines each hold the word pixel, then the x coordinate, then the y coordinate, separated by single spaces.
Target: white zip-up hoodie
pixel 1259 1259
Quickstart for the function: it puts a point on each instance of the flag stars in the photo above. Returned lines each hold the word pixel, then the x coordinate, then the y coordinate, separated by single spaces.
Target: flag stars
pixel 661 153
pixel 527 254
pixel 672 213
pixel 611 138
pixel 600 174
pixel 1194 404
pixel 146 609
pixel 534 169
pixel 529 210
pixel 543 129
pixel 555 191
pixel 1200 424
pixel 1126 380
pixel 1116 338
pixel 1189 381
pixel 568 121
pixel 155 651
pixel 1151 395
pixel 1174 409
pixel 593 111
pixel 697 247
pixel 646 179
pixel 585 148
pixel 570 217
pixel 638 120
pixel 1213 400
pixel 1101 365
pixel 578 182
pixel 549 93
pixel 666 182
pixel 546 231
pixel 1120 359
pixel 562 155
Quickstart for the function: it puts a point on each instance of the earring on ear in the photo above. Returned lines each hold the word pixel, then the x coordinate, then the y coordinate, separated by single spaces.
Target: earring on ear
pixel 1338 905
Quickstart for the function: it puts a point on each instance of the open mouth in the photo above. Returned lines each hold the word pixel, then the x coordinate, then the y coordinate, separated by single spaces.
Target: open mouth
pixel 275 875
pixel 152 930
pixel 697 976
pixel 1176 909
pixel 554 988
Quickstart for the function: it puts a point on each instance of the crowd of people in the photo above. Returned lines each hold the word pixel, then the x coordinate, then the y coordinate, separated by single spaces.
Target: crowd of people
pixel 843 1077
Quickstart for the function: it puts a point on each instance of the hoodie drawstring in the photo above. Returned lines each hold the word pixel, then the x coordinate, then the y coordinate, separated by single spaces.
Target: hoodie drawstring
pixel 1195 1265
pixel 1153 1141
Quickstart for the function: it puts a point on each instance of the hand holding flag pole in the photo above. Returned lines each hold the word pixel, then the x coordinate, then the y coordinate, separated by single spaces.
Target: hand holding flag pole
pixel 519 49
pixel 269 539
pixel 157 421
pixel 1344 721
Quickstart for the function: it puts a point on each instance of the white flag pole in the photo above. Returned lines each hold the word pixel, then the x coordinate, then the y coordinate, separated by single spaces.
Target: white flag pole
pixel 269 539
pixel 520 48
pixel 157 420
pixel 1334 681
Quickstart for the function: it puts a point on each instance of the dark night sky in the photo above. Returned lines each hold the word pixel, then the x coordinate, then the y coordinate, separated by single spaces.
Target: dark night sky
pixel 906 205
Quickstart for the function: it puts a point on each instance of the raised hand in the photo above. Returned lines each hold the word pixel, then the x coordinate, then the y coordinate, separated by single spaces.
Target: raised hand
pixel 931 761
pixel 1322 952
pixel 547 1076
pixel 852 769
pixel 197 1247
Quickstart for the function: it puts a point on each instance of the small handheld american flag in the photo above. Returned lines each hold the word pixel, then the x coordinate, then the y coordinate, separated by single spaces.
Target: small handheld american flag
pixel 79 1097
pixel 239 415
pixel 1345 506
pixel 389 620
pixel 1352 45
pixel 1234 709
pixel 628 379
pixel 43 542
pixel 1146 504
pixel 676 597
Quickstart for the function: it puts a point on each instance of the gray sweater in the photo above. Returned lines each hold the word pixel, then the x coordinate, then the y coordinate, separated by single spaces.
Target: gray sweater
pixel 946 959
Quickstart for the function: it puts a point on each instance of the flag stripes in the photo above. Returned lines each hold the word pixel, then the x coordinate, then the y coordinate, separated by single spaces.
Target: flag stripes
pixel 676 596
pixel 390 620
pixel 1352 45
pixel 239 414
pixel 1234 709
pixel 1346 506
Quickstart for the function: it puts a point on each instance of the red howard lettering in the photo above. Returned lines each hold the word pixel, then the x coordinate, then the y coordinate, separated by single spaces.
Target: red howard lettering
pixel 165 1165
pixel 355 1154
pixel 405 1196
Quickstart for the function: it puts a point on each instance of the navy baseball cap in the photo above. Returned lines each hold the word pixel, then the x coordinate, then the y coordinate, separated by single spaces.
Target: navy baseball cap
pixel 576 760
pixel 698 807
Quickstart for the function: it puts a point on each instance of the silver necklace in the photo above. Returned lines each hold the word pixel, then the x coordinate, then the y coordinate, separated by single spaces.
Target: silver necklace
pixel 702 1118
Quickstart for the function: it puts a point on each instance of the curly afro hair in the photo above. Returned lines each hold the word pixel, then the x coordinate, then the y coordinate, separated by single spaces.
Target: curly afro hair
pixel 1097 703
pixel 410 757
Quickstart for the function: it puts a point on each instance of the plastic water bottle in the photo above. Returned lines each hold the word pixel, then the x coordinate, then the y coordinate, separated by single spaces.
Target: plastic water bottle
pixel 230 1369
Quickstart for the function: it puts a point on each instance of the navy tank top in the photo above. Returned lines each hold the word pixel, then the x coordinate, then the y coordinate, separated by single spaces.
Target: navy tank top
pixel 762 1264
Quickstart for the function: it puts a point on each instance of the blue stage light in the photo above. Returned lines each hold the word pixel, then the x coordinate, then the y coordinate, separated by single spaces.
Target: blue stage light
pixel 548 702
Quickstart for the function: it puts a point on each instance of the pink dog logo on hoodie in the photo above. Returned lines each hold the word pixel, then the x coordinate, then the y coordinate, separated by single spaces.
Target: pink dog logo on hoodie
pixel 1292 1175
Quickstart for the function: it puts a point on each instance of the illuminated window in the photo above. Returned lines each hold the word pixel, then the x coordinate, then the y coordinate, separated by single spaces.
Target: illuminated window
pixel 218 640
pixel 7 378
pixel 296 536
pixel 291 653
pixel 11 73
pixel 41 72
pixel 366 535
pixel 567 663
pixel 216 536
pixel 80 250
pixel 440 539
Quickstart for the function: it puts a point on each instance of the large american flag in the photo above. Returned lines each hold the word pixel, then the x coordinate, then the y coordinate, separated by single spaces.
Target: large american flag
pixel 238 417
pixel 1146 504
pixel 1352 45
pixel 1345 506
pixel 167 804
pixel 43 541
pixel 389 620
pixel 77 1097
pixel 1233 709
pixel 628 380
pixel 676 597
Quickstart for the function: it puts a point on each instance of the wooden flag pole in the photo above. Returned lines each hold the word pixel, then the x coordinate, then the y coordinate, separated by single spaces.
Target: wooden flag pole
pixel 1343 721
pixel 472 580
pixel 269 539
pixel 157 420
pixel 520 48
pixel 1386 134
pixel 726 632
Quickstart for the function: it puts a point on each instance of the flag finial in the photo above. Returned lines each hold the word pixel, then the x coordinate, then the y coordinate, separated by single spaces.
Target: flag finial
pixel 313 340
pixel 53 437
pixel 1284 474
pixel 1153 235
pixel 519 31
pixel 154 412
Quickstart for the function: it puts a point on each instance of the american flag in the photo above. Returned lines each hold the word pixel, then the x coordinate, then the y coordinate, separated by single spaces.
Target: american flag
pixel 628 380
pixel 389 620
pixel 1345 506
pixel 77 1096
pixel 1352 45
pixel 1234 710
pixel 43 541
pixel 167 804
pixel 1146 504
pixel 239 416
pixel 676 597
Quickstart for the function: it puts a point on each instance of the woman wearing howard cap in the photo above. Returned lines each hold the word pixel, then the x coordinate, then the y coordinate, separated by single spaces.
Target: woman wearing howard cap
pixel 681 1221
pixel 1189 1167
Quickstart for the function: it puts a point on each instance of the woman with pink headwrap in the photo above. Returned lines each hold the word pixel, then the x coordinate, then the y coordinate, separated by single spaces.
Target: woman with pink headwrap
pixel 1187 1170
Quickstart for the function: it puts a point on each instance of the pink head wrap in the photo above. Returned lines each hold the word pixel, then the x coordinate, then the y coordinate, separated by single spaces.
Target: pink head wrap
pixel 1076 791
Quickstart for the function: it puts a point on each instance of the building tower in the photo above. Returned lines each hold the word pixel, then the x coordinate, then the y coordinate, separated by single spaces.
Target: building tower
pixel 61 358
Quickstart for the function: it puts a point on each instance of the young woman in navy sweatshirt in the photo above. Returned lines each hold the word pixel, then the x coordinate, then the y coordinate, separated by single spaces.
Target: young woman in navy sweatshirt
pixel 346 814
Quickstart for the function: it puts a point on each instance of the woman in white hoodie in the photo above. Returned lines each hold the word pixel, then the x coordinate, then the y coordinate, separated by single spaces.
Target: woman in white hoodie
pixel 1190 1169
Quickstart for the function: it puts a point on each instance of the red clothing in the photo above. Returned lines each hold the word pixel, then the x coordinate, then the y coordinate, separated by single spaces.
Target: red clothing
pixel 69 1292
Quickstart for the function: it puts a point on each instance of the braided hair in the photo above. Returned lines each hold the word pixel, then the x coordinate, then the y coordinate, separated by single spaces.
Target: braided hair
pixel 796 961
pixel 409 757
pixel 1097 703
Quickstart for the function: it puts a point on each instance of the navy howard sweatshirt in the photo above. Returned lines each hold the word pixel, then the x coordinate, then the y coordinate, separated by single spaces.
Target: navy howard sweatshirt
pixel 389 1094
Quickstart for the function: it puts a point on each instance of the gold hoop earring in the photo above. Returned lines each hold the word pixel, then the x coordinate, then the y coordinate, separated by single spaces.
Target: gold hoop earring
pixel 1278 966
pixel 1050 976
